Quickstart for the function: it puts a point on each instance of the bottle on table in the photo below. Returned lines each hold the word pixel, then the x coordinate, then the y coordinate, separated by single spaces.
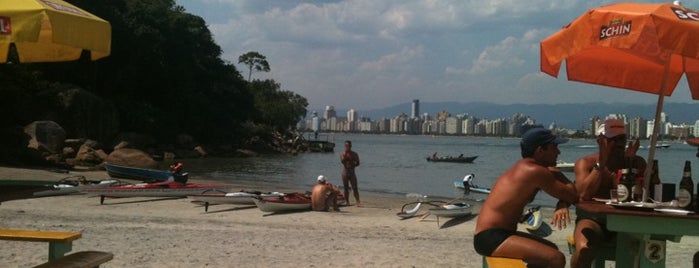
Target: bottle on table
pixel 696 203
pixel 625 185
pixel 637 188
pixel 654 181
pixel 686 192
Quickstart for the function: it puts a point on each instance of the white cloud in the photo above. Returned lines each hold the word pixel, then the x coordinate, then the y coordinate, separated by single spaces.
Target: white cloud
pixel 370 54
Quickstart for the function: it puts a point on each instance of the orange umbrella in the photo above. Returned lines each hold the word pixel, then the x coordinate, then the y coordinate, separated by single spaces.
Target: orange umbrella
pixel 50 31
pixel 636 46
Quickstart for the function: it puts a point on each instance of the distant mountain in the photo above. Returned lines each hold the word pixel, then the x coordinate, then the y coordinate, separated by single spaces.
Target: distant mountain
pixel 572 116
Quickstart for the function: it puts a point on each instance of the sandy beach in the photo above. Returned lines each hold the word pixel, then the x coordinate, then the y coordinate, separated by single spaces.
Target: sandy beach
pixel 157 232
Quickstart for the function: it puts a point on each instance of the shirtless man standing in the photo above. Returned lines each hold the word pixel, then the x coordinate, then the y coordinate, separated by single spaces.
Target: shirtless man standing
pixel 324 196
pixel 496 228
pixel 350 160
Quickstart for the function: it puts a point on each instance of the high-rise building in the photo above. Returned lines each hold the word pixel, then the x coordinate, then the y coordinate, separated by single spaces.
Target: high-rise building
pixel 415 109
pixel 329 112
pixel 352 115
pixel 315 122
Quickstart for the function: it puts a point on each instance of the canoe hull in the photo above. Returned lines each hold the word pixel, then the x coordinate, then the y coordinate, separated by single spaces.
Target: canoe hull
pixel 482 190
pixel 65 189
pixel 237 198
pixel 172 189
pixel 452 210
pixel 135 173
pixel 289 202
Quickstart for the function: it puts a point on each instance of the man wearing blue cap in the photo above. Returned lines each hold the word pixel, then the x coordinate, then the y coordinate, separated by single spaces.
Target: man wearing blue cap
pixel 496 228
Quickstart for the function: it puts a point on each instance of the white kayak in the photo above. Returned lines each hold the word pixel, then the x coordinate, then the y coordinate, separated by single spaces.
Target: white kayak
pixel 235 198
pixel 472 187
pixel 452 210
pixel 65 188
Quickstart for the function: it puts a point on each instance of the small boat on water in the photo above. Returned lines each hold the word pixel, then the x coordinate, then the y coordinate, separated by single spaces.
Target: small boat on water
pixel 692 142
pixel 565 166
pixel 144 174
pixel 452 159
pixel 320 143
pixel 286 202
pixel 168 188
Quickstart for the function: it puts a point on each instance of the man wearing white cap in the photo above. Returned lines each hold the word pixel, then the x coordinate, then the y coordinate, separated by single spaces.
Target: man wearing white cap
pixel 595 175
pixel 324 196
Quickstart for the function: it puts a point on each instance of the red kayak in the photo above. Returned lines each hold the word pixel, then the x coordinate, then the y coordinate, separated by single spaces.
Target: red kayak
pixel 158 189
pixel 287 202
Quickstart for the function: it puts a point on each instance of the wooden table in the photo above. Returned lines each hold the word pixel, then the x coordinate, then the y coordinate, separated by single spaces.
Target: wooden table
pixel 641 235
pixel 59 242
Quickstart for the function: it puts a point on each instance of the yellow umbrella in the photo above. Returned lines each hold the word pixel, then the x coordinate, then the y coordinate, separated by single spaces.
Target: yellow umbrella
pixel 51 31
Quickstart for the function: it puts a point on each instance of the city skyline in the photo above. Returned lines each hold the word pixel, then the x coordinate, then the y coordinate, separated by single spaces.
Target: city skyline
pixel 446 123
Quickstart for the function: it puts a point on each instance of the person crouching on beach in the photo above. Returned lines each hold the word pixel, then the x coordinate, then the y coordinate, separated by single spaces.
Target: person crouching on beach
pixel 324 196
pixel 496 229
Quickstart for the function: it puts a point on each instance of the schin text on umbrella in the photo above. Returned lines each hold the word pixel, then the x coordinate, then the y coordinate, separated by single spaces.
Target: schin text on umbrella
pixel 5 26
pixel 63 8
pixel 686 14
pixel 615 27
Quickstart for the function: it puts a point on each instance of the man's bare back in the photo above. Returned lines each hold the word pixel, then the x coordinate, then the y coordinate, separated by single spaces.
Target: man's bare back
pixel 496 228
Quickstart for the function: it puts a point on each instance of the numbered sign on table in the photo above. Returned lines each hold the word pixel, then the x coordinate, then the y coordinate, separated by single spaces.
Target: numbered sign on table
pixel 655 250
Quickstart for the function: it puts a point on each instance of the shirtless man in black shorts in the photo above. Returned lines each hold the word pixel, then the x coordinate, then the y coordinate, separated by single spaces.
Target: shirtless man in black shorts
pixel 496 228
pixel 350 160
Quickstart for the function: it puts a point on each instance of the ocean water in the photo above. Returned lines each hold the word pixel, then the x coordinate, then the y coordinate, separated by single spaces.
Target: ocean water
pixel 396 165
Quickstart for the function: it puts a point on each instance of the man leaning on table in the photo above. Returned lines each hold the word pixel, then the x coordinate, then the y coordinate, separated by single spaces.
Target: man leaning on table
pixel 496 228
pixel 595 175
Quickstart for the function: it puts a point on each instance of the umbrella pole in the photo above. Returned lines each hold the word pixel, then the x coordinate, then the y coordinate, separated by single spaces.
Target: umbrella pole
pixel 651 148
pixel 654 134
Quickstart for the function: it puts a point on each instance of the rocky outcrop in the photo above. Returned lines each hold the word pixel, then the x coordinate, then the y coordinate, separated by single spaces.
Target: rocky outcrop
pixel 132 158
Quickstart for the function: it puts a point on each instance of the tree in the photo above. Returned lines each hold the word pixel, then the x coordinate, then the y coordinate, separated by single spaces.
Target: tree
pixel 278 108
pixel 255 60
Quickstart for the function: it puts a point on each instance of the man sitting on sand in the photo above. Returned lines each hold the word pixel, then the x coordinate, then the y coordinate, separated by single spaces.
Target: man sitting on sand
pixel 496 228
pixel 324 196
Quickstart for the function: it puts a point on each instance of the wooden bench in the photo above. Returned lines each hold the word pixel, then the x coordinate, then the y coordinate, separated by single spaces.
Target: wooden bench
pixel 497 262
pixel 59 242
pixel 606 253
pixel 82 259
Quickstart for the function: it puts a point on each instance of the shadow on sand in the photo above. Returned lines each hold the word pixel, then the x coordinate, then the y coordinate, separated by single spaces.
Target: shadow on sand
pixel 456 221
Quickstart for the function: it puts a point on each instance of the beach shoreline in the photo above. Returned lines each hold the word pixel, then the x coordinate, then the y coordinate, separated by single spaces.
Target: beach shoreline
pixel 163 232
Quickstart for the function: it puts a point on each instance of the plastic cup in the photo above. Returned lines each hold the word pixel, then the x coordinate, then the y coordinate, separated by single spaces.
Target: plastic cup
pixel 614 196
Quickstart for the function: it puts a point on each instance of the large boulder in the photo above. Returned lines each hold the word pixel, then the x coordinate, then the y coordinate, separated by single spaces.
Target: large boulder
pixel 132 158
pixel 90 152
pixel 46 135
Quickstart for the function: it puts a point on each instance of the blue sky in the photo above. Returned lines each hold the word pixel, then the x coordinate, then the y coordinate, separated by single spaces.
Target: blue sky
pixel 368 54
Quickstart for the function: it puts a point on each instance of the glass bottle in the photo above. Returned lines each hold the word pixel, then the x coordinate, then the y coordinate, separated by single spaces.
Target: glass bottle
pixel 625 185
pixel 686 192
pixel 637 188
pixel 654 180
